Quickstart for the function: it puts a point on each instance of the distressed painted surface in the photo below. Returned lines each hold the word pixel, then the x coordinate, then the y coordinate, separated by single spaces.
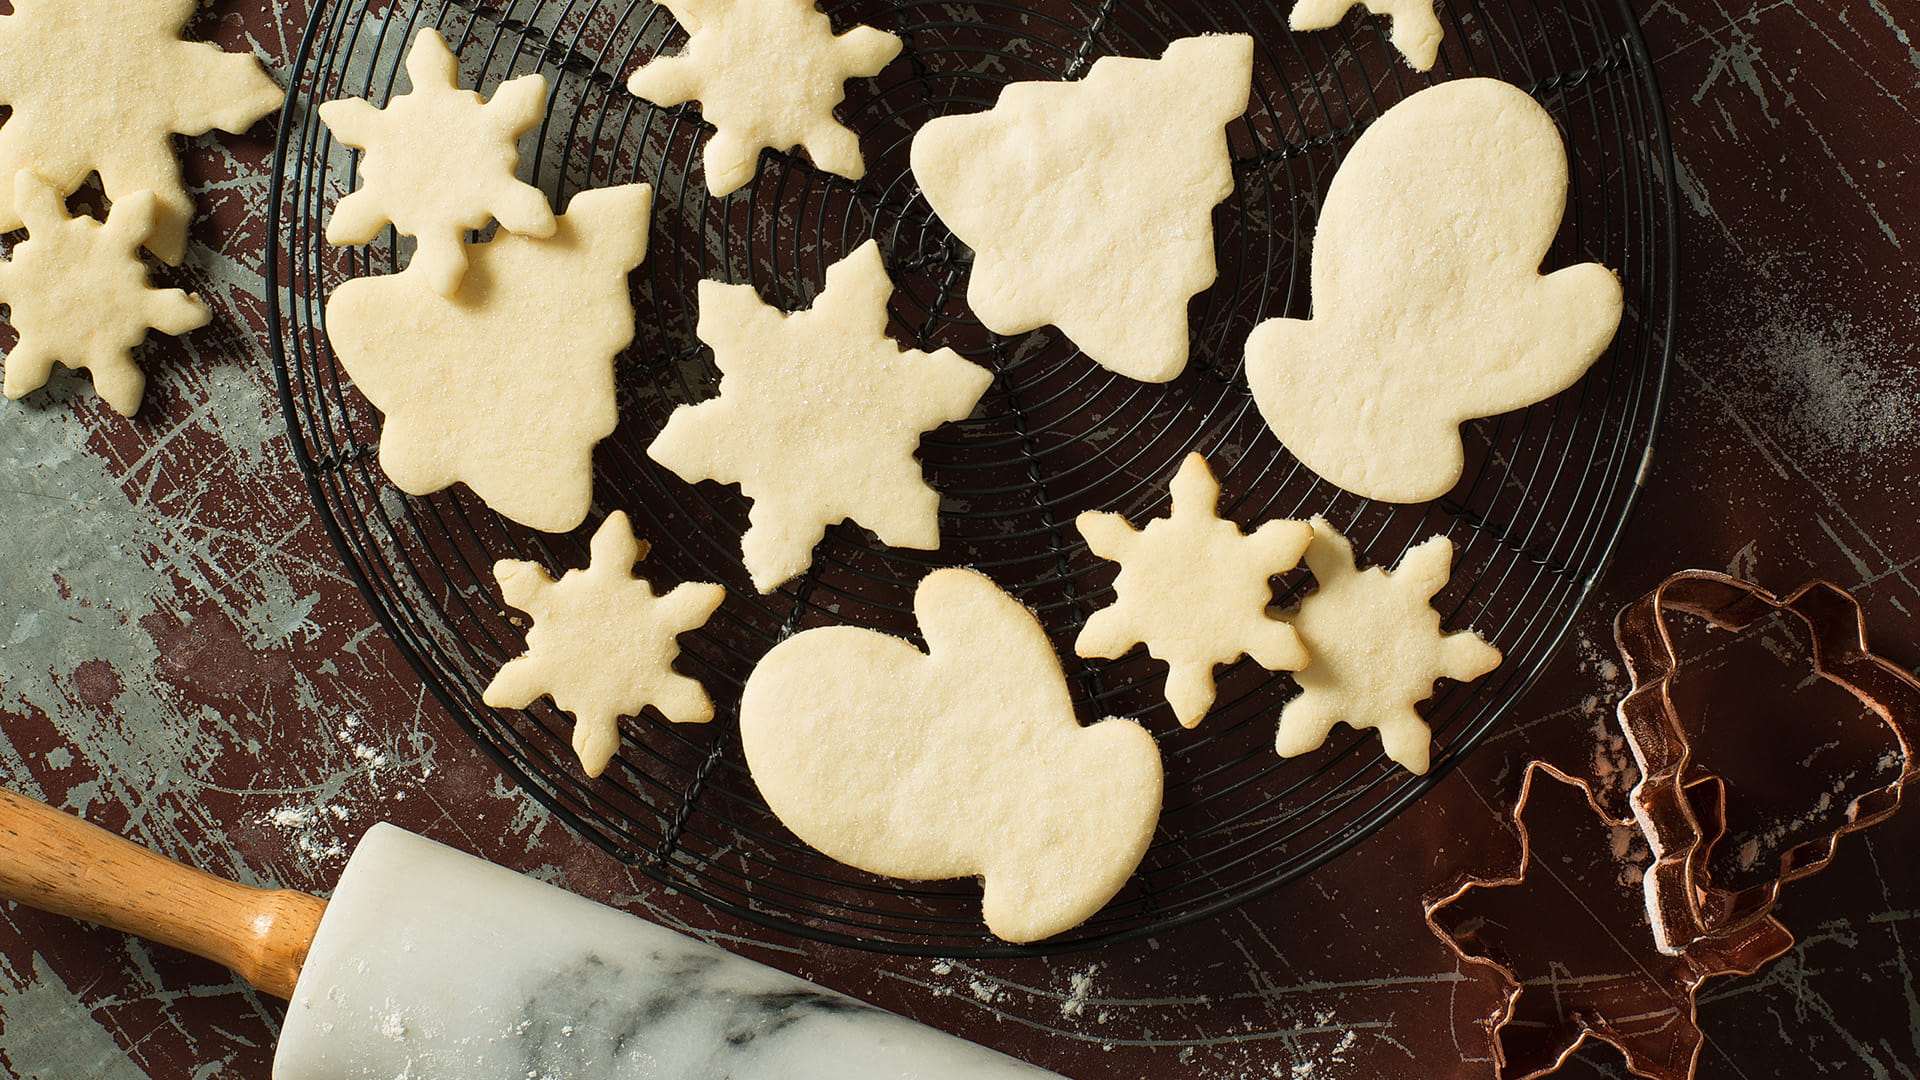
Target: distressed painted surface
pixel 181 659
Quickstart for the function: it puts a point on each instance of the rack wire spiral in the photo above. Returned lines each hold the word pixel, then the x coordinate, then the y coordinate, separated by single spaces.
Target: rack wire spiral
pixel 1545 494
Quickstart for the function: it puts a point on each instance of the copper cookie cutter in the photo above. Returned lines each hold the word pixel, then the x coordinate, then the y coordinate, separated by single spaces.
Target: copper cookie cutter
pixel 1685 906
pixel 1648 1013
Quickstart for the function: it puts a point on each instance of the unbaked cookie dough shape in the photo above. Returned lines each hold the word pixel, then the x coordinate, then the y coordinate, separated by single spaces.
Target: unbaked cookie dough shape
pixel 602 644
pixel 78 294
pixel 103 86
pixel 767 73
pixel 1429 308
pixel 818 418
pixel 439 162
pixel 1416 29
pixel 1194 590
pixel 1089 204
pixel 507 384
pixel 962 760
pixel 1377 648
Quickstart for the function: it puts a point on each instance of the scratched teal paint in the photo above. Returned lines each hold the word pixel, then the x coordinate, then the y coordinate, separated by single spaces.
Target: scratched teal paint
pixel 47 1033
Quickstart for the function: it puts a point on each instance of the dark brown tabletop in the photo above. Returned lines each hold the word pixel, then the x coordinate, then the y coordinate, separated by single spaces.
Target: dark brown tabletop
pixel 183 660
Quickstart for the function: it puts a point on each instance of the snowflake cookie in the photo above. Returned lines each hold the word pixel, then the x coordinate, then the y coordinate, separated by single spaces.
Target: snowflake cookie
pixel 1416 29
pixel 964 760
pixel 1429 308
pixel 818 417
pixel 508 384
pixel 1377 648
pixel 439 161
pixel 767 73
pixel 103 86
pixel 1089 204
pixel 79 295
pixel 1194 590
pixel 602 644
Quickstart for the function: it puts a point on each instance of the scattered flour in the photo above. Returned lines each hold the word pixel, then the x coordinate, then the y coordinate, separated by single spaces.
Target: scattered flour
pixel 310 829
pixel 1079 986
pixel 1824 385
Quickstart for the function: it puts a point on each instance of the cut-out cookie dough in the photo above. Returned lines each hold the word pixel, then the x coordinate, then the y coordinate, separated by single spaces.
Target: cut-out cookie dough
pixel 508 384
pixel 103 86
pixel 1416 29
pixel 602 644
pixel 1429 308
pixel 818 417
pixel 1194 590
pixel 79 295
pixel 767 73
pixel 1089 204
pixel 1377 648
pixel 439 161
pixel 963 760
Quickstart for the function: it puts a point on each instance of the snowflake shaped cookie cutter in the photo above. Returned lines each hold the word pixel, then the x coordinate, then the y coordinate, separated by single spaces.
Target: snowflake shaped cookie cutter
pixel 1683 902
pixel 143 85
pixel 421 138
pixel 80 297
pixel 1194 590
pixel 1649 1014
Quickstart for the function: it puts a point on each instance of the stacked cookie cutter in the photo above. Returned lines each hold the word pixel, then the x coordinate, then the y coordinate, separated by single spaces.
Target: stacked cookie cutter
pixel 1679 807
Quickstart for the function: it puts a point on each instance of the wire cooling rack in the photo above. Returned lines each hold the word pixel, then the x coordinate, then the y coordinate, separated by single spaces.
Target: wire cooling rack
pixel 1544 496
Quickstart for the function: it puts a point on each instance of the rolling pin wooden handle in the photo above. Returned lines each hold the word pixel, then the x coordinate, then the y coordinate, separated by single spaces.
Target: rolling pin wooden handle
pixel 56 862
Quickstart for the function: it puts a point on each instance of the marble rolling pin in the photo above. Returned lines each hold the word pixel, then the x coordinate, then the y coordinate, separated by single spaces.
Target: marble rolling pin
pixel 430 964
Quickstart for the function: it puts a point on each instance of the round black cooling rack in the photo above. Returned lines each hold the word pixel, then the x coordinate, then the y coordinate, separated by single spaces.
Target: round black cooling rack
pixel 1534 519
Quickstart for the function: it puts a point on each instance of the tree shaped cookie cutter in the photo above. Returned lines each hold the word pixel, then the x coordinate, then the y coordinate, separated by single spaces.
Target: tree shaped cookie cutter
pixel 1651 1018
pixel 1684 904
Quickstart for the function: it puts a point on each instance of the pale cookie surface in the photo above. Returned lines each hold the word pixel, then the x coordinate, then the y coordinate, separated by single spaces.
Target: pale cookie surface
pixel 103 86
pixel 1429 308
pixel 1416 29
pixel 507 384
pixel 1194 590
pixel 1089 204
pixel 767 73
pixel 602 645
pixel 963 760
pixel 439 161
pixel 818 418
pixel 79 295
pixel 1377 648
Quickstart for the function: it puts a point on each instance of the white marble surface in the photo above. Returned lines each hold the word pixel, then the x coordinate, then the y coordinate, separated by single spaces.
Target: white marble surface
pixel 434 965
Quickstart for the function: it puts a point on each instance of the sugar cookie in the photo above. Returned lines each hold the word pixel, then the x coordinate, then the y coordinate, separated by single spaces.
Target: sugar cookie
pixel 1089 204
pixel 602 644
pixel 1194 590
pixel 79 295
pixel 420 143
pixel 962 760
pixel 1416 29
pixel 767 73
pixel 508 384
pixel 103 86
pixel 818 417
pixel 1429 308
pixel 1377 648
